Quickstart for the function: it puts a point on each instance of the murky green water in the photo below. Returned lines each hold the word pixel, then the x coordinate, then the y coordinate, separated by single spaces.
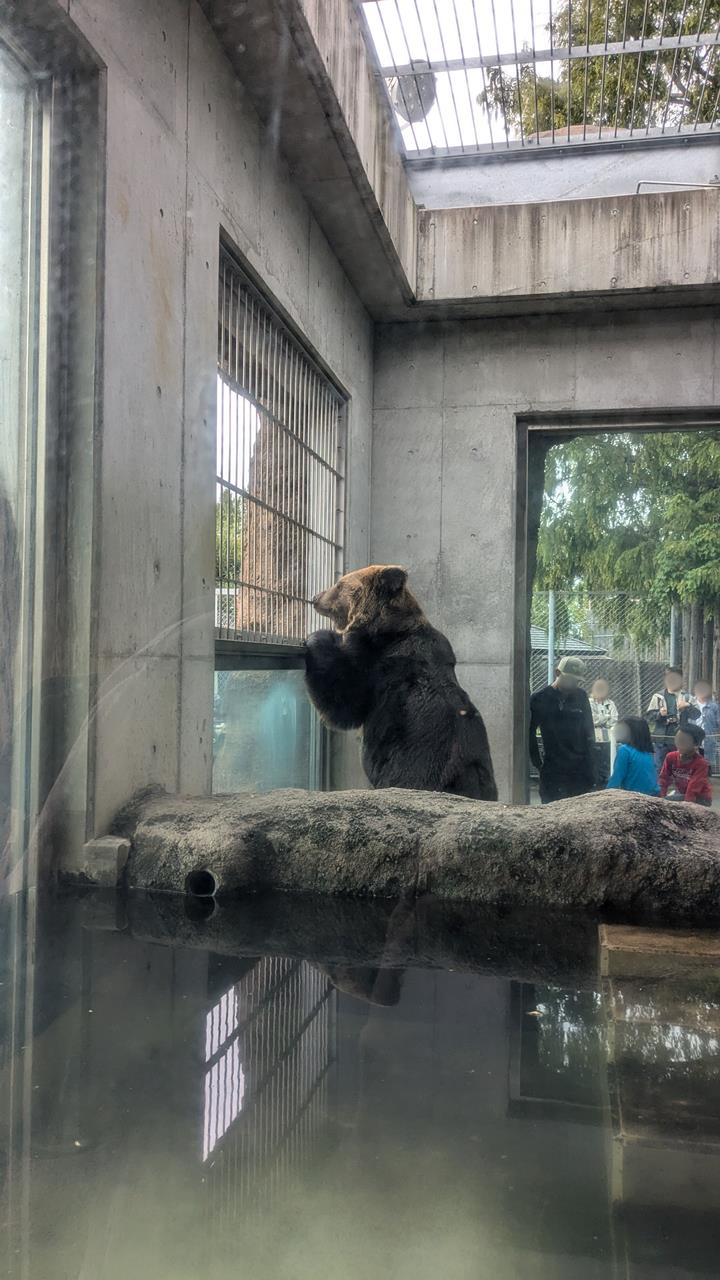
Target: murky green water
pixel 301 1091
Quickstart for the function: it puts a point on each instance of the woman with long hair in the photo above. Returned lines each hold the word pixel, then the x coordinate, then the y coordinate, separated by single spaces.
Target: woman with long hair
pixel 634 768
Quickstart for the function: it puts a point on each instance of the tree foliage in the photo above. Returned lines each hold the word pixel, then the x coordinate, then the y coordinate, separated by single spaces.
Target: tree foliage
pixel 653 89
pixel 635 513
pixel 228 537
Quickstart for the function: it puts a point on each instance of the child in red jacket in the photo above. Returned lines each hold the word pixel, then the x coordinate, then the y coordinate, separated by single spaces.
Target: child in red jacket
pixel 685 773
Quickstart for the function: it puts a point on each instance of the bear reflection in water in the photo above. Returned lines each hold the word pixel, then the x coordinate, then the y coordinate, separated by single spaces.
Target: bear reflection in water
pixel 386 669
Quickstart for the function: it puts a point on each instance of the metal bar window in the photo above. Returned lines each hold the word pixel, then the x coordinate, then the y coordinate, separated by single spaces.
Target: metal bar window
pixel 545 73
pixel 279 478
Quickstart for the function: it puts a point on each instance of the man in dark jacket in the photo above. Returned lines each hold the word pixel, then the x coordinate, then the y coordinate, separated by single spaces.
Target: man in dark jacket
pixel 562 714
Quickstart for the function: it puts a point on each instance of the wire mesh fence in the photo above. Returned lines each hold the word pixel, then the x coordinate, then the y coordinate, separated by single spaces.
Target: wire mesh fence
pixel 595 627
pixel 279 472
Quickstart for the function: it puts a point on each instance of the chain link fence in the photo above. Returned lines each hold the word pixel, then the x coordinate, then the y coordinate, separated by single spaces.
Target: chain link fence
pixel 594 627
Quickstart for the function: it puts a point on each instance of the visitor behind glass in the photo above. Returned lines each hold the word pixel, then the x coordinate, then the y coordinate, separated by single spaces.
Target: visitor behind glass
pixel 561 712
pixel 685 774
pixel 709 721
pixel 669 710
pixel 605 717
pixel 634 768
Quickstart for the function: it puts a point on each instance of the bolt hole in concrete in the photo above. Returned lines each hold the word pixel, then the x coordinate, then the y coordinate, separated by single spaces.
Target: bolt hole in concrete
pixel 201 883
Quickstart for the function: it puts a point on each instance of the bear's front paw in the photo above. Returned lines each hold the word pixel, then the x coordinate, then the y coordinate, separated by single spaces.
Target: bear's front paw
pixel 319 640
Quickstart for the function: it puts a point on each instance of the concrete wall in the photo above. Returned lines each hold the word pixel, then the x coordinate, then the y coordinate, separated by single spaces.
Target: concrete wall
pixel 336 32
pixel 186 157
pixel 444 475
pixel 605 172
pixel 570 250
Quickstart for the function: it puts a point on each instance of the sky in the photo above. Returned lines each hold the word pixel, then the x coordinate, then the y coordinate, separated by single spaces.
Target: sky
pixel 403 30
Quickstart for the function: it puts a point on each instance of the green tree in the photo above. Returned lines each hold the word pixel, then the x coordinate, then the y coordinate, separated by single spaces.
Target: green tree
pixel 228 538
pixel 639 514
pixel 652 89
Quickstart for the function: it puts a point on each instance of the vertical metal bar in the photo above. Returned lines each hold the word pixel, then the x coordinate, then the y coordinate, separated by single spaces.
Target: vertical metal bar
pixel 467 78
pixel 257 612
pixel 285 417
pixel 237 500
pixel 639 67
pixel 310 585
pixel 313 441
pixel 534 70
pixel 270 582
pixel 449 75
pixel 328 473
pixel 651 98
pixel 268 518
pixel 488 112
pixel 620 69
pixel 674 68
pixel 398 78
pixel 293 461
pixel 282 501
pixel 693 54
pixel 502 80
pixel 292 425
pixel 243 600
pixel 715 109
pixel 604 70
pixel 277 405
pixel 569 69
pixel 552 72
pixel 427 59
pixel 587 69
pixel 295 531
pixel 686 98
pixel 304 514
pixel 551 638
pixel 220 539
pixel 712 59
pixel 227 451
pixel 243 596
pixel 321 521
pixel 314 521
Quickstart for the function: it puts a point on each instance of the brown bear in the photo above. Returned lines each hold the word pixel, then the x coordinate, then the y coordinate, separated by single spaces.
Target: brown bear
pixel 385 668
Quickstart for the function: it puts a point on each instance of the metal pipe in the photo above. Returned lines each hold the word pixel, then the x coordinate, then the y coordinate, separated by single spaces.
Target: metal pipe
pixel 551 637
pixel 660 182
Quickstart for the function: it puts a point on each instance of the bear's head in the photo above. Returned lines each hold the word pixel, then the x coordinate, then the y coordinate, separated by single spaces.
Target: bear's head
pixel 373 599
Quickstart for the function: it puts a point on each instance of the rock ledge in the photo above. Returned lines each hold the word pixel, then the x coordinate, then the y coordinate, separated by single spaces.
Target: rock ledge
pixel 608 851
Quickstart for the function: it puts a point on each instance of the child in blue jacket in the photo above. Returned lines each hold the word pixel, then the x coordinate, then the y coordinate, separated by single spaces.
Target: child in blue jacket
pixel 634 768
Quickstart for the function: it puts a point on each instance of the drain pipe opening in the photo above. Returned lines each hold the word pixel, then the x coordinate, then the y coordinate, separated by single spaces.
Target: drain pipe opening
pixel 201 883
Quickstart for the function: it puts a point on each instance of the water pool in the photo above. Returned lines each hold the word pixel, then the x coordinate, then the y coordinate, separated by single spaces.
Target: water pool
pixel 295 1090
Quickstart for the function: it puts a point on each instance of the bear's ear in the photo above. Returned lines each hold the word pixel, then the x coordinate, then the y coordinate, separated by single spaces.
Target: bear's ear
pixel 391 581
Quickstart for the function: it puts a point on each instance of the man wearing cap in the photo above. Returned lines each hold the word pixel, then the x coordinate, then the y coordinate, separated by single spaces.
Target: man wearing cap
pixel 562 714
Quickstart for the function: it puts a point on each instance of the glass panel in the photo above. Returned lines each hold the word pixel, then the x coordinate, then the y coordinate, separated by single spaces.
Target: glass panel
pixel 17 105
pixel 266 733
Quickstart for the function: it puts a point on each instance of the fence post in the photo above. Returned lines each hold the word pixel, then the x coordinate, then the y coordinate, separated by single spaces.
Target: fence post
pixel 551 637
pixel 675 637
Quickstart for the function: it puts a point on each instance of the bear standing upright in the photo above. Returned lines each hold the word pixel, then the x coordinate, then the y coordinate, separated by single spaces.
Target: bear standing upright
pixel 385 668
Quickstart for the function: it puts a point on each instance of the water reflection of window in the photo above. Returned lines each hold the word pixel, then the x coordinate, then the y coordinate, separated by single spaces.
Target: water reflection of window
pixel 224 1093
pixel 220 1022
pixel 557 1049
pixel 269 1050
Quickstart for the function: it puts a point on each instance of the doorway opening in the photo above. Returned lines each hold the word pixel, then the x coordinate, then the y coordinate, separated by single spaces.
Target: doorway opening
pixel 620 561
